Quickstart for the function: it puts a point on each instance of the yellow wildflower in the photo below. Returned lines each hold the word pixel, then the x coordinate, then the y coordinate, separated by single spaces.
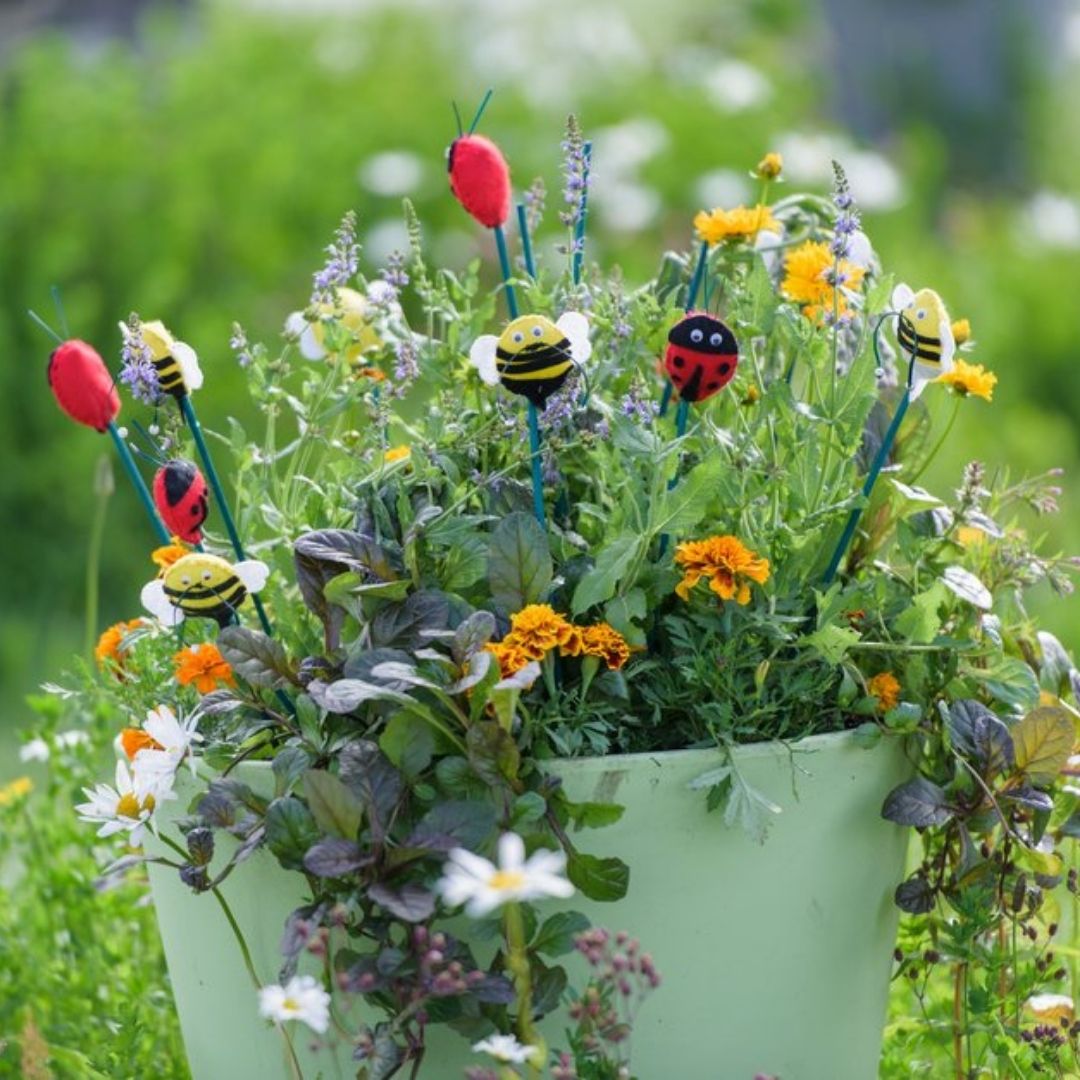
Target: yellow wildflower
pixel 16 790
pixel 752 395
pixel 809 271
pixel 961 331
pixel 973 379
pixel 886 688
pixel 109 648
pixel 770 166
pixel 164 557
pixel 396 453
pixel 970 535
pixel 726 562
pixel 742 222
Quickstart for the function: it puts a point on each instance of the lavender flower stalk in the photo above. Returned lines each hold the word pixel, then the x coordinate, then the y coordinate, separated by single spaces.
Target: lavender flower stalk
pixel 343 260
pixel 575 167
pixel 137 372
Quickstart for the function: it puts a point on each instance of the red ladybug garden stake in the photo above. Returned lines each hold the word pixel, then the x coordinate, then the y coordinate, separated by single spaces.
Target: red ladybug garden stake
pixel 181 499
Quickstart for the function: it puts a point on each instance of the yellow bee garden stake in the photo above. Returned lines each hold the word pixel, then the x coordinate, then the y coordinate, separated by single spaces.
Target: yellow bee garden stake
pixel 201 586
pixel 925 333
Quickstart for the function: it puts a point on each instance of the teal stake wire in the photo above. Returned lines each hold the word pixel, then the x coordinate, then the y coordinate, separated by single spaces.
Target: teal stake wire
pixel 219 496
pixel 138 483
pixel 526 241
pixel 504 263
pixel 875 468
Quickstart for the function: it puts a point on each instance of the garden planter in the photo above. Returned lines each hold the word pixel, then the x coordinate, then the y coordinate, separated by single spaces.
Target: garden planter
pixel 775 958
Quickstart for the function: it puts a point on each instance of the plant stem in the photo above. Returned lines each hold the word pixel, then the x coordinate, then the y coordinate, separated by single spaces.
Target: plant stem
pixel 103 488
pixel 517 960
pixel 940 443
pixel 537 465
pixel 957 1034
pixel 579 227
pixel 504 262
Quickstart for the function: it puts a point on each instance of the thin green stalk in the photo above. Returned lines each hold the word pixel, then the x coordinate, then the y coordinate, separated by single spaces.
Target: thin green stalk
pixel 940 443
pixel 103 488
pixel 579 228
pixel 517 961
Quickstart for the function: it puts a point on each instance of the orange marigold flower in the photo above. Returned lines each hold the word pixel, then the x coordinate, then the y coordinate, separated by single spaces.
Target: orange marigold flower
pixel 538 628
pixel 716 226
pixel 204 666
pixel 109 646
pixel 810 273
pixel 607 643
pixel 134 739
pixel 509 655
pixel 886 688
pixel 572 642
pixel 373 373
pixel 396 453
pixel 729 565
pixel 165 556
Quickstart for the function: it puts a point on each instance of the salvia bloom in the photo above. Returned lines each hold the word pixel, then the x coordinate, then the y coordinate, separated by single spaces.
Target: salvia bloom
pixel 137 371
pixel 535 199
pixel 342 262
pixel 240 345
pixel 575 172
pixel 394 273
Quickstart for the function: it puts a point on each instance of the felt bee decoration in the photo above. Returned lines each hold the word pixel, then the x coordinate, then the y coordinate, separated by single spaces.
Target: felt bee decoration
pixel 180 497
pixel 202 586
pixel 924 333
pixel 82 385
pixel 533 355
pixel 175 362
pixel 701 356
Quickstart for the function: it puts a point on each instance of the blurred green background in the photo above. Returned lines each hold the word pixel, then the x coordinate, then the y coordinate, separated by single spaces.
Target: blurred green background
pixel 190 161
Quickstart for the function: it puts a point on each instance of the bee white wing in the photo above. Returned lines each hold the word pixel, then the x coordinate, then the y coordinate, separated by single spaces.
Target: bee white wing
pixel 188 361
pixel 482 357
pixel 576 328
pixel 252 573
pixel 159 605
pixel 948 344
pixel 902 295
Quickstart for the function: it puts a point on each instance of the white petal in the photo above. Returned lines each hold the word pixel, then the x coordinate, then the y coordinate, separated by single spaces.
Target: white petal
pixel 511 851
pixel 483 904
pixel 482 357
pixel 860 251
pixel 474 865
pixel 295 324
pixel 948 344
pixel 188 361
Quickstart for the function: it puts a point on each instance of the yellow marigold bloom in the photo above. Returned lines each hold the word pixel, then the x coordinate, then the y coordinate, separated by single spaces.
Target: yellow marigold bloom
pixel 396 453
pixel 509 655
pixel 970 535
pixel 134 739
pixel 718 225
pixel 16 790
pixel 204 666
pixel 109 644
pixel 752 395
pixel 572 642
pixel 886 688
pixel 538 628
pixel 607 643
pixel 770 166
pixel 808 275
pixel 961 331
pixel 974 379
pixel 728 564
pixel 164 557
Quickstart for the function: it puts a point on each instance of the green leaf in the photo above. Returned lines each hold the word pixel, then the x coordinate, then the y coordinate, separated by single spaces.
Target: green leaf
pixel 556 936
pixel 409 743
pixel 600 583
pixel 336 809
pixel 593 815
pixel 463 823
pixel 919 802
pixel 1009 680
pixel 920 622
pixel 255 657
pixel 686 504
pixel 288 766
pixel 519 563
pixel 832 642
pixel 1043 740
pixel 493 753
pixel 529 808
pixel 290 831
pixel 598 879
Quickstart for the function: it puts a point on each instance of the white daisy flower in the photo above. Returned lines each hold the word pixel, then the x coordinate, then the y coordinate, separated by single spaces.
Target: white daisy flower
pixel 507 1049
pixel 174 738
pixel 128 807
pixel 301 998
pixel 67 740
pixel 35 750
pixel 1050 1006
pixel 482 886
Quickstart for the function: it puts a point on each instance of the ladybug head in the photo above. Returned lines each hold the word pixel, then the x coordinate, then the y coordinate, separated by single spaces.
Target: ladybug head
pixel 703 333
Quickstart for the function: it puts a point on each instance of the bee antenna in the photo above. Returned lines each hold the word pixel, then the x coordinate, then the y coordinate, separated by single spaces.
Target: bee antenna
pixel 141 453
pixel 59 305
pixel 45 326
pixel 457 118
pixel 157 456
pixel 480 111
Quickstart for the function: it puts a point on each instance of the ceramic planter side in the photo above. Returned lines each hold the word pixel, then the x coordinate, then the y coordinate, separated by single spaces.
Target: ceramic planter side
pixel 775 958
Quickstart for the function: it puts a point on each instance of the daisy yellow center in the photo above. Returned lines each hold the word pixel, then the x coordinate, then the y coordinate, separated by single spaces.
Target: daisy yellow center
pixel 290 1005
pixel 504 880
pixel 130 807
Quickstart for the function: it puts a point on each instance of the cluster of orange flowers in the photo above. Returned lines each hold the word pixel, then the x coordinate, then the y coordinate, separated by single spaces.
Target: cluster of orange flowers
pixel 204 666
pixel 109 650
pixel 728 564
pixel 538 629
pixel 886 688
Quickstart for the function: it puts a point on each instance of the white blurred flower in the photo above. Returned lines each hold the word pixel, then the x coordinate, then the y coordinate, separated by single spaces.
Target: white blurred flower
pixel 808 157
pixel 127 807
pixel 860 251
pixel 767 244
pixel 625 206
pixel 722 187
pixel 35 750
pixel 1050 1006
pixel 301 998
pixel 384 238
pixel 875 181
pixel 1052 220
pixel 734 85
pixel 482 886
pixel 624 148
pixel 507 1049
pixel 68 740
pixel 393 172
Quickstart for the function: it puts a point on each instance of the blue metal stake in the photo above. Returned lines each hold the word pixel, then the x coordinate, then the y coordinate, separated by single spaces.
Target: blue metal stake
pixel 139 484
pixel 526 242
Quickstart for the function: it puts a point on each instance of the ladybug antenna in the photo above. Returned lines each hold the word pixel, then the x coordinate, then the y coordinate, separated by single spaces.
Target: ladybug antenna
pixel 457 119
pixel 59 305
pixel 480 111
pixel 45 326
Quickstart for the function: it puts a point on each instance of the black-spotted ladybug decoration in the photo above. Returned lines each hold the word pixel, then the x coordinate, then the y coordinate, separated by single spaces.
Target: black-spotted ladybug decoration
pixel 701 356
pixel 180 496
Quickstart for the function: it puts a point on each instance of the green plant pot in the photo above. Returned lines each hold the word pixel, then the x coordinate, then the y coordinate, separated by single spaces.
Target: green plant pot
pixel 775 958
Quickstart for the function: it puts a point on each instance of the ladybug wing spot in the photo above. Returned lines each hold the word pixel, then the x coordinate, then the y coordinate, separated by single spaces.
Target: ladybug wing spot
pixel 725 367
pixel 678 361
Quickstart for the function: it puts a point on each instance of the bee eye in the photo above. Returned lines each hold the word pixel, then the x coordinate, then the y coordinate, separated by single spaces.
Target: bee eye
pixel 537 331
pixel 921 313
pixel 519 337
pixel 185 581
pixel 715 340
pixel 206 575
pixel 696 336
